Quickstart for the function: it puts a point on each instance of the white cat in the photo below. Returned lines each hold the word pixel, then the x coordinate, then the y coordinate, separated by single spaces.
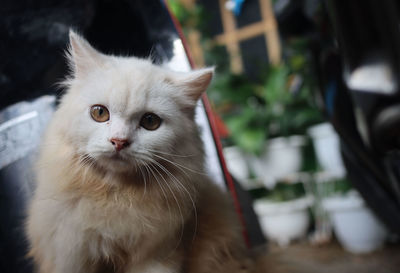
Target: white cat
pixel 121 185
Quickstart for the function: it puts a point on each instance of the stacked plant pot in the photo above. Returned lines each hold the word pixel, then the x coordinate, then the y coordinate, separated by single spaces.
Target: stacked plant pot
pixel 283 217
pixel 355 226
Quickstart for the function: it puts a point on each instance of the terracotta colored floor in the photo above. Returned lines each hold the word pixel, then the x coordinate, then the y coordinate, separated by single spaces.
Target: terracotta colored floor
pixel 304 258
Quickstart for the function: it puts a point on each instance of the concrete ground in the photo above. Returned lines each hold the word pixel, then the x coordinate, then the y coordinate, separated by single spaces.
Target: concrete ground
pixel 331 258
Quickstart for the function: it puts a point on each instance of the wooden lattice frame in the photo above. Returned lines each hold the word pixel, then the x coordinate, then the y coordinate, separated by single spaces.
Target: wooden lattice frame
pixel 232 36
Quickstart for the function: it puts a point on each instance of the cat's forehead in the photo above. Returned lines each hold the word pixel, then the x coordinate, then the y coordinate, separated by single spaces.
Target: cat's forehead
pixel 133 72
pixel 129 85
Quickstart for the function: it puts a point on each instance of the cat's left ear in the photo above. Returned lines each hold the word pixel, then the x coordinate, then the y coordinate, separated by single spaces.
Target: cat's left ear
pixel 196 82
pixel 82 56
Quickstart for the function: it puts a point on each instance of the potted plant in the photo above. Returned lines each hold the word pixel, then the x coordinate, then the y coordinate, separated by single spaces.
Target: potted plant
pixel 283 212
pixel 266 119
pixel 354 224
pixel 327 148
pixel 231 95
pixel 236 161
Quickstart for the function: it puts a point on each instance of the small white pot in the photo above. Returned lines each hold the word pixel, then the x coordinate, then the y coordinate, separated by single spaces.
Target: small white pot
pixel 236 162
pixel 283 221
pixel 281 157
pixel 355 226
pixel 327 148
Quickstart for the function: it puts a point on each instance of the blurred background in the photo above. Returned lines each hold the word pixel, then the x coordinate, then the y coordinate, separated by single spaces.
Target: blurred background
pixel 290 76
pixel 305 100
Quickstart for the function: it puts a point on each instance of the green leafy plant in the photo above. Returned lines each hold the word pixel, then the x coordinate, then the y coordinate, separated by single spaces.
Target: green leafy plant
pixel 286 192
pixel 278 105
pixel 338 186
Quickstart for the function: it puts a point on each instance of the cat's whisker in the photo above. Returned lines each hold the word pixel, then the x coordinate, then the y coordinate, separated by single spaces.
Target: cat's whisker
pixel 152 54
pixel 169 154
pixel 150 169
pixel 88 162
pixel 172 163
pixel 174 178
pixel 144 179
pixel 187 192
pixel 180 166
pixel 177 203
pixel 85 159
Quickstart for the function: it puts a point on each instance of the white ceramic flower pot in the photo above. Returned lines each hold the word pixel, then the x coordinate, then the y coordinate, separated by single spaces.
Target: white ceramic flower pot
pixel 283 221
pixel 236 162
pixel 281 156
pixel 327 148
pixel 355 226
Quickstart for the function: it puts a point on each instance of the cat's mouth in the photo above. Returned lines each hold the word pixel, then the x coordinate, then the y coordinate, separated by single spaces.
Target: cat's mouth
pixel 114 161
pixel 117 157
pixel 112 155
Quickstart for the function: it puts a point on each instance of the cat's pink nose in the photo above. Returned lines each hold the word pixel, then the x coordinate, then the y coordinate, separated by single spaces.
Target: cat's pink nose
pixel 119 143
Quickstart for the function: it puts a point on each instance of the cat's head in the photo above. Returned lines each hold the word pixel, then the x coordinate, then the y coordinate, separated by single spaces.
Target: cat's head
pixel 120 112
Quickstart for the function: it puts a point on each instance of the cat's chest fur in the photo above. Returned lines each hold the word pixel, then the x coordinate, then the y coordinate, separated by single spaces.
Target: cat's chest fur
pixel 119 224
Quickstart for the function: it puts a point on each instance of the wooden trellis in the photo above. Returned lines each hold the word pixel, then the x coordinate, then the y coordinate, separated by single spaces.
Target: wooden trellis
pixel 232 36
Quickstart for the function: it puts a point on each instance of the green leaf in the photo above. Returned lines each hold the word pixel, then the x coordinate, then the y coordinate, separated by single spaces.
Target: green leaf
pixel 275 88
pixel 251 141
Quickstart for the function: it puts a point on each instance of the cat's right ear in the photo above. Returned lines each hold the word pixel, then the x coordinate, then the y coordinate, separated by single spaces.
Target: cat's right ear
pixel 82 56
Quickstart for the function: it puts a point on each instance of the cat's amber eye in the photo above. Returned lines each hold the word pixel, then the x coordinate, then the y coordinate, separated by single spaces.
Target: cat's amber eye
pixel 99 113
pixel 150 121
